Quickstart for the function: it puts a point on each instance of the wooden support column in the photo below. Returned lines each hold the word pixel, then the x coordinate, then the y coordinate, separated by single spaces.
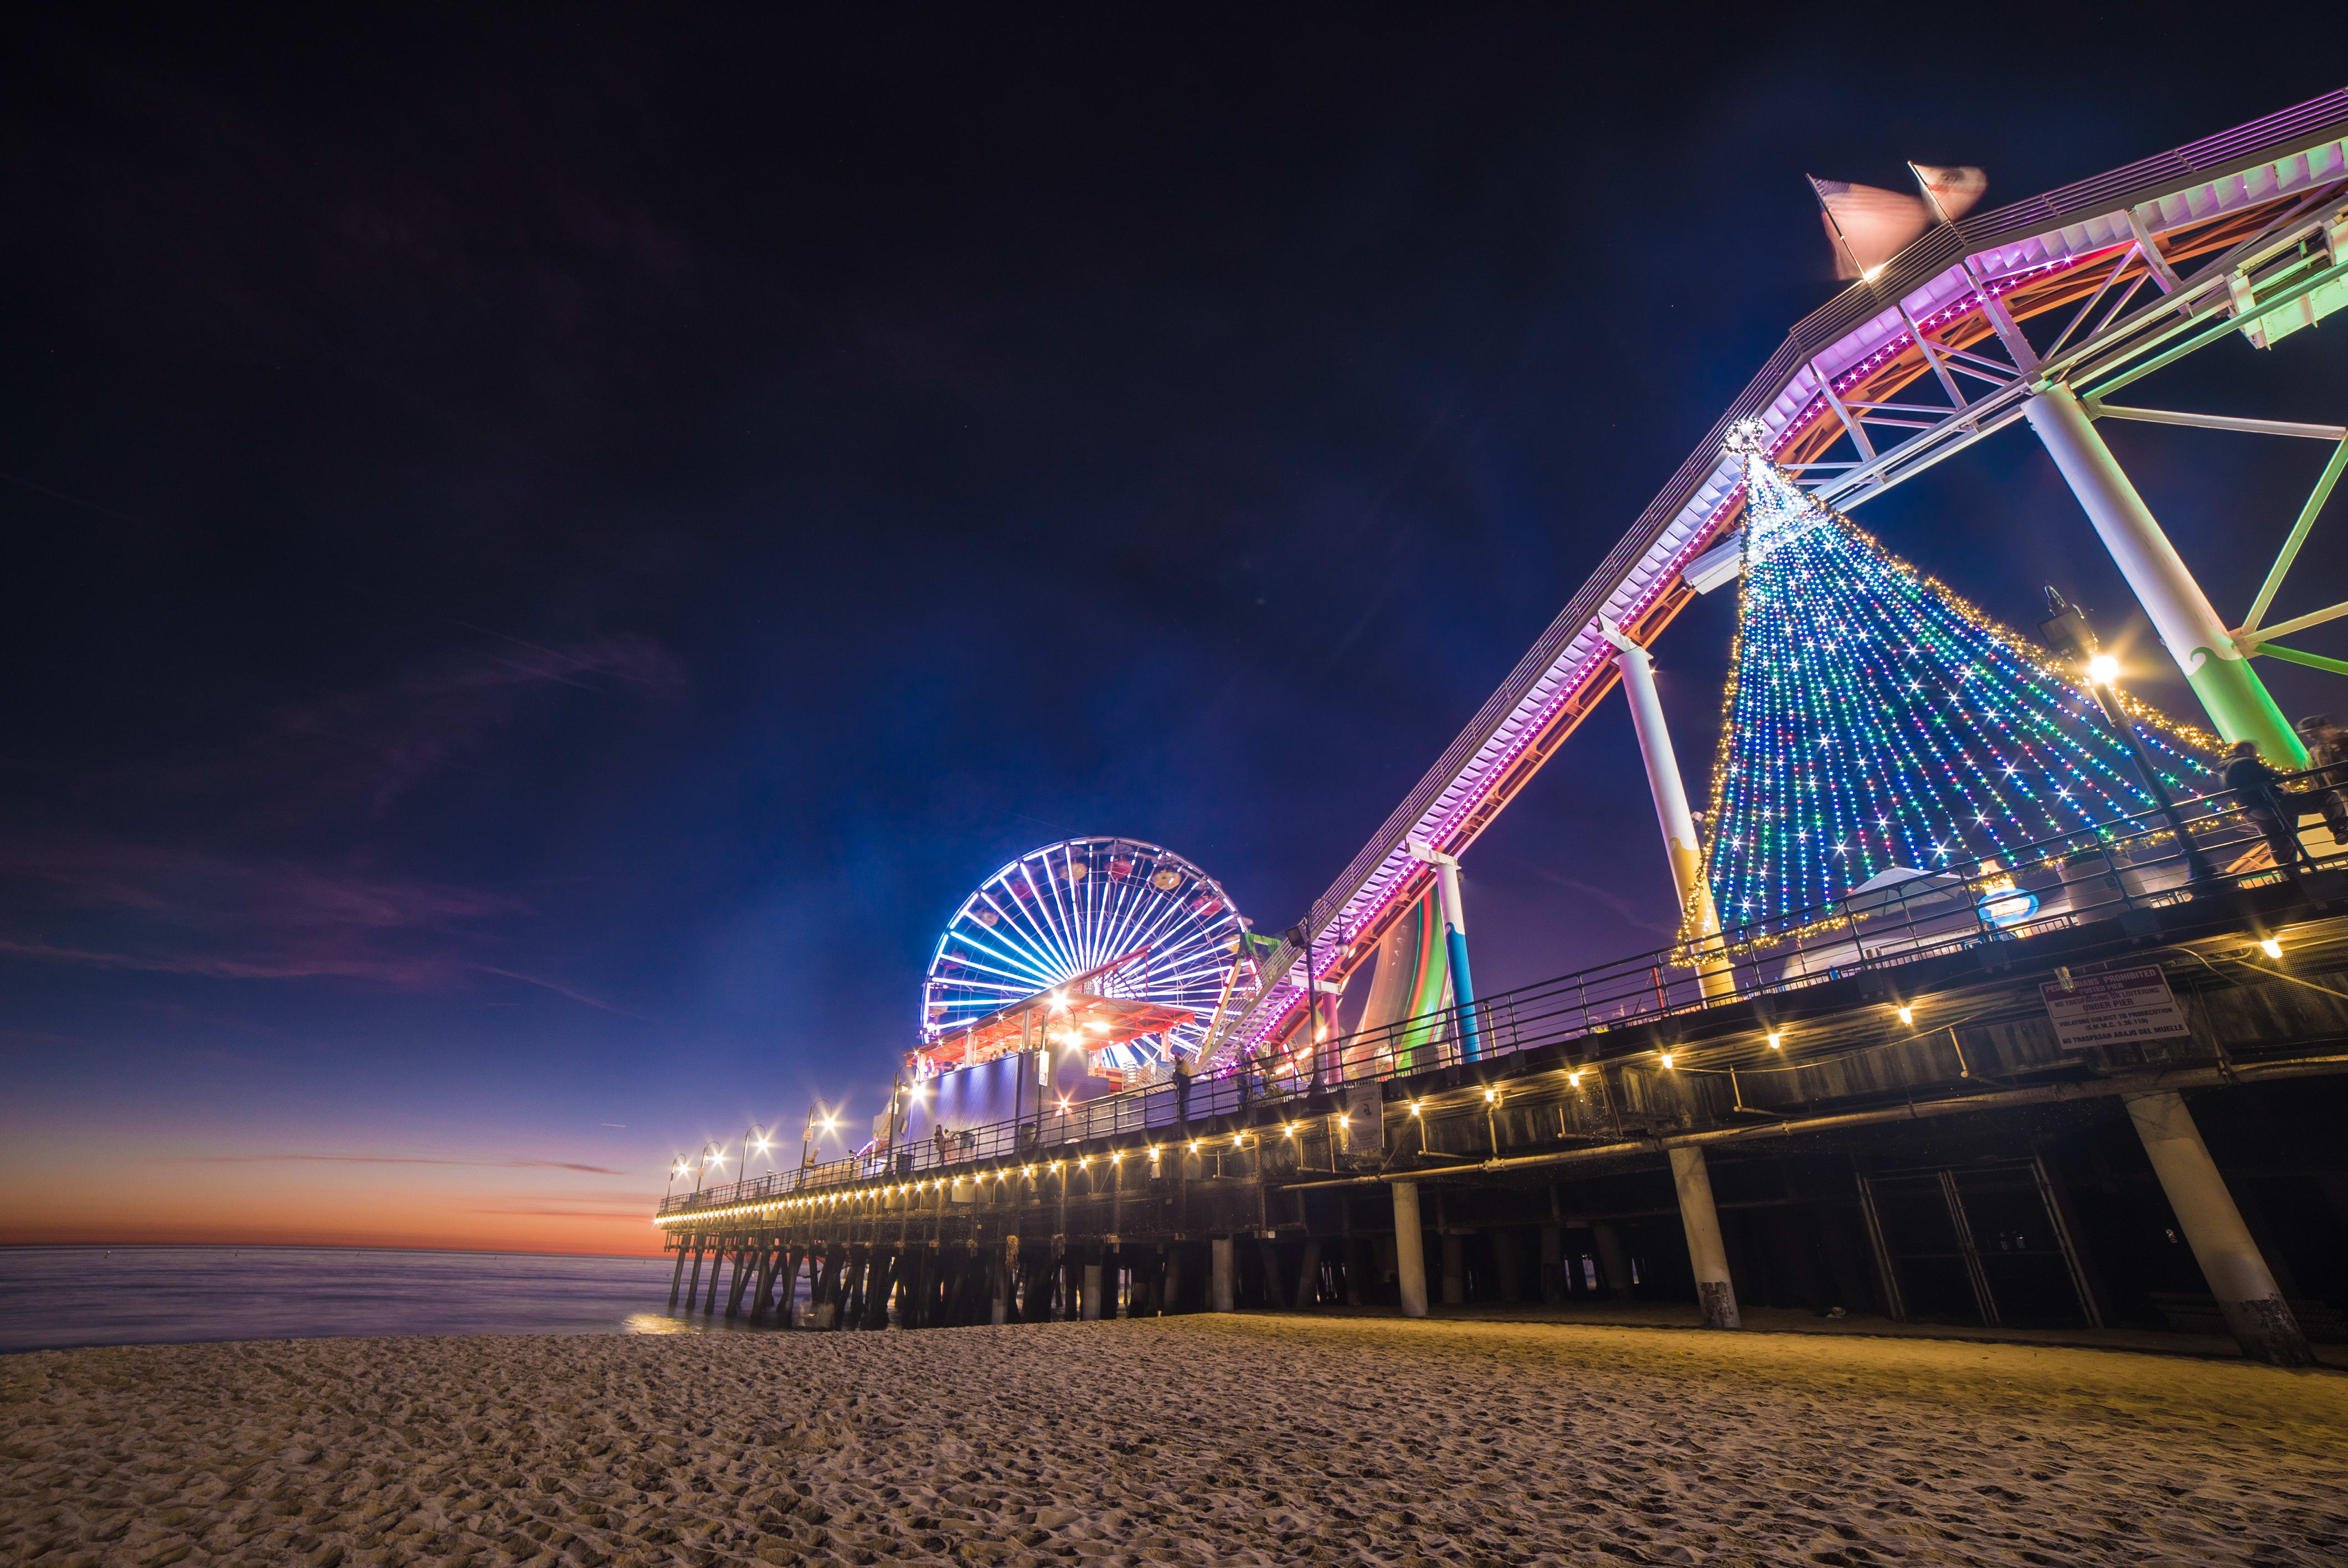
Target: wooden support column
pixel 768 1256
pixel 1707 1254
pixel 1308 1276
pixel 741 1279
pixel 787 1295
pixel 1410 1250
pixel 693 1286
pixel 1612 1261
pixel 2254 1307
pixel 1275 1283
pixel 676 1279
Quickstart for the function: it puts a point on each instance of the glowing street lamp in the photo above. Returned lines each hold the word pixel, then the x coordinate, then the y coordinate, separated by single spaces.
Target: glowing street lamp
pixel 806 1138
pixel 701 1164
pixel 763 1145
pixel 2067 632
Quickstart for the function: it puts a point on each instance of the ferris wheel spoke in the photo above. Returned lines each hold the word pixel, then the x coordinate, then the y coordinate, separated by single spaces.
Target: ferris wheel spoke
pixel 1015 950
pixel 1171 912
pixel 1052 915
pixel 1124 910
pixel 1037 916
pixel 1070 897
pixel 1010 972
pixel 1073 907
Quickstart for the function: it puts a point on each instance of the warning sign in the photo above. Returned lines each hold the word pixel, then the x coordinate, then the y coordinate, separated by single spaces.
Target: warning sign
pixel 2118 1007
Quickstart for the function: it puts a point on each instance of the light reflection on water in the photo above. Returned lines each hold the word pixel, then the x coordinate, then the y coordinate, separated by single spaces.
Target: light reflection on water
pixel 52 1297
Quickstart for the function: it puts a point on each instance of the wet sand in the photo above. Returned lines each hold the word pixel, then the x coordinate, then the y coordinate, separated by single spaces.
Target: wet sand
pixel 1188 1440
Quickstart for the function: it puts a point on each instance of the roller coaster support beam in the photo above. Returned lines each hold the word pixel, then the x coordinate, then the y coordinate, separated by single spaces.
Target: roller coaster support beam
pixel 1454 947
pixel 1697 915
pixel 2231 692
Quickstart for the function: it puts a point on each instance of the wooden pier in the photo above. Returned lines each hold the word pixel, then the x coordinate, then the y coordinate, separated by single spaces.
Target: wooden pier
pixel 1915 1142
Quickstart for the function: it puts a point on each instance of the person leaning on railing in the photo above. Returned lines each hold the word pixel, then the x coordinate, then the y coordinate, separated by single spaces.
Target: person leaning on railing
pixel 2327 759
pixel 2276 808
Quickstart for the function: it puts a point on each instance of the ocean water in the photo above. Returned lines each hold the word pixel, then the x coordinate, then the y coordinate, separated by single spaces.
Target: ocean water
pixel 53 1297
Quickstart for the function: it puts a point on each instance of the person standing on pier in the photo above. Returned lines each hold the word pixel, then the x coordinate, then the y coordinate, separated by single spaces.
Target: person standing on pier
pixel 2259 789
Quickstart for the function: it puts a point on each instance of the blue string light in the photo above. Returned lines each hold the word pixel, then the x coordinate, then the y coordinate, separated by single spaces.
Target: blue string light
pixel 1874 720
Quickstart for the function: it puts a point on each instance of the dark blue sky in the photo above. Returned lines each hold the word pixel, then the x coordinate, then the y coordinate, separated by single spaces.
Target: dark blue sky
pixel 552 550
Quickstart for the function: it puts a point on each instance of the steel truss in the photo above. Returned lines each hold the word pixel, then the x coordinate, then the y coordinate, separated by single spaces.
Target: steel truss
pixel 2258 214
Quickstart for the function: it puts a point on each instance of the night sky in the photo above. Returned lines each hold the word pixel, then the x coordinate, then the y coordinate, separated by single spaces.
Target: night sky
pixel 550 551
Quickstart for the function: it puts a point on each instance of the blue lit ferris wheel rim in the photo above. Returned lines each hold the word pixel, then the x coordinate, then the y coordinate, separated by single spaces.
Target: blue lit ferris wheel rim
pixel 1057 911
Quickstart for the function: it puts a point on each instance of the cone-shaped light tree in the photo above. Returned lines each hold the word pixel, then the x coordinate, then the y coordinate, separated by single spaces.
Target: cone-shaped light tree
pixel 1876 720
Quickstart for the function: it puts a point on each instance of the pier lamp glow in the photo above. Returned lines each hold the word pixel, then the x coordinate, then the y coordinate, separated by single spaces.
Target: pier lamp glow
pixel 2270 946
pixel 1777 1041
pixel 1490 1095
pixel 1907 1014
pixel 1573 1079
pixel 1666 1058
pixel 2103 669
pixel 1413 1107
pixel 1194 1145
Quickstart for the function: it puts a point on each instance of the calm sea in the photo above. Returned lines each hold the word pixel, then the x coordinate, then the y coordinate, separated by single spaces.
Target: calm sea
pixel 51 1298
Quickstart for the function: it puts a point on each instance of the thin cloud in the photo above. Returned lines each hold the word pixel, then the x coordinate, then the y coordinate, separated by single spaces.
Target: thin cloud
pixel 418 972
pixel 403 1160
pixel 561 990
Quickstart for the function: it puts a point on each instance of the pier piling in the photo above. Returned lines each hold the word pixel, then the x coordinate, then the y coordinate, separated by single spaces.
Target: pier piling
pixel 2254 1309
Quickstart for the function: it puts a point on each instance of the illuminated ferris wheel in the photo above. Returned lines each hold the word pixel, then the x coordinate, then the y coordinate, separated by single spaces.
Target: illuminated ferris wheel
pixel 1121 918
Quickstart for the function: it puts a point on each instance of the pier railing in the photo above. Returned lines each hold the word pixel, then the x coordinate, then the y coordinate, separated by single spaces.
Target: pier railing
pixel 2097 873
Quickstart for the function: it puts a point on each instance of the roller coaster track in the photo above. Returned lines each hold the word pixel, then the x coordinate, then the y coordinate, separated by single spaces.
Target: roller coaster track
pixel 2226 233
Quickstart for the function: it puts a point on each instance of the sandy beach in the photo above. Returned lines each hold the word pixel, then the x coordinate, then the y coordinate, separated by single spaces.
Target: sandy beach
pixel 1189 1440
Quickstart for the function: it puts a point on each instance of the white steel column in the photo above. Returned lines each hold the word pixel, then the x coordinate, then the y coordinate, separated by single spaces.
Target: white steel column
pixel 1410 1250
pixel 1680 847
pixel 2255 1309
pixel 1454 944
pixel 2231 692
pixel 1706 1251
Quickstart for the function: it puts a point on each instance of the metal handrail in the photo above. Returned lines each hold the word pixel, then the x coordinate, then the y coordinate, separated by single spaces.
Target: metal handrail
pixel 2052 884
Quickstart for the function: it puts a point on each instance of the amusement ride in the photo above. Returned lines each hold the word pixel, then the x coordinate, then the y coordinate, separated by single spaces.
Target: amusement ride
pixel 1124 950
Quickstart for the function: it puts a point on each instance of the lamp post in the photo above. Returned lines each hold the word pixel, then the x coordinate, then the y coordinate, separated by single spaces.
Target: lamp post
pixel 2067 631
pixel 702 1165
pixel 828 1120
pixel 764 1146
pixel 675 1169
